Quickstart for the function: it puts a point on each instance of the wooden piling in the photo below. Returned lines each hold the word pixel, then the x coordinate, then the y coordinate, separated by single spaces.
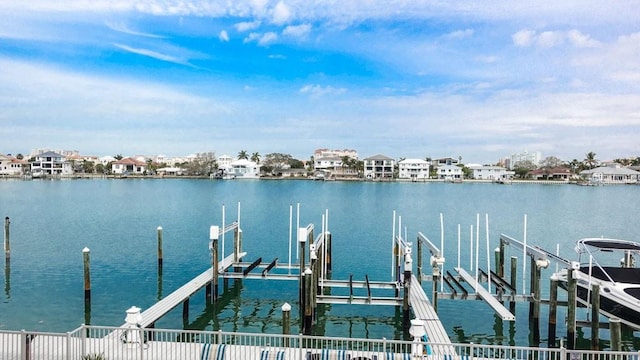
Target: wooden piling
pixel 185 312
pixel 513 280
pixel 327 258
pixel 302 239
pixel 286 322
pixel 616 334
pixel 553 311
pixel 571 310
pixel 595 317
pixel 159 230
pixel 308 306
pixel 406 311
pixel 87 274
pixel 214 265
pixel 7 242
pixel 537 293
pixel 500 260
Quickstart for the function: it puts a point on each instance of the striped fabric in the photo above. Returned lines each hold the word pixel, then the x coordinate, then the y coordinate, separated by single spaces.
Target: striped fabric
pixel 394 356
pixel 334 355
pixel 216 352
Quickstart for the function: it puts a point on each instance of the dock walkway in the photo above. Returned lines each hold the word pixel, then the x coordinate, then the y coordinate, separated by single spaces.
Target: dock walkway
pixel 159 309
pixel 496 305
pixel 423 310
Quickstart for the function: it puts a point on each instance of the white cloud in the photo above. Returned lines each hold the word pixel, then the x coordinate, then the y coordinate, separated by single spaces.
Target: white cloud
pixel 262 39
pixel 460 34
pixel 121 27
pixel 153 54
pixel 550 39
pixel 223 36
pixel 281 13
pixel 247 26
pixel 298 31
pixel 318 90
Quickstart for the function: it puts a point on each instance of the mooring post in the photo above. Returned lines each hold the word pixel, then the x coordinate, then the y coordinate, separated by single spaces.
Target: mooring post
pixel 87 275
pixel 185 312
pixel 408 263
pixel 308 306
pixel 313 263
pixel 553 311
pixel 571 309
pixel 214 233
pixel 7 242
pixel 616 332
pixel 595 317
pixel 419 264
pixel 159 231
pixel 237 249
pixel 513 280
pixel 327 259
pixel 302 239
pixel 435 280
pixel 500 262
pixel 498 258
pixel 286 322
pixel 537 294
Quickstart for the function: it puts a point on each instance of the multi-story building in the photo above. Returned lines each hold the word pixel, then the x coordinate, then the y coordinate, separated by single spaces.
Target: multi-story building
pixel 413 169
pixel 50 163
pixel 486 172
pixel 327 153
pixel 378 167
pixel 10 165
pixel 524 157
pixel 128 166
pixel 450 173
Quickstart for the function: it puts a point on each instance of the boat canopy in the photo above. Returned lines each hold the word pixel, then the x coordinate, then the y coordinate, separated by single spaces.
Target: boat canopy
pixel 608 244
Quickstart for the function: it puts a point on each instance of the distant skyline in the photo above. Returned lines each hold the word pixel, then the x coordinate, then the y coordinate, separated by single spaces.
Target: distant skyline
pixel 475 79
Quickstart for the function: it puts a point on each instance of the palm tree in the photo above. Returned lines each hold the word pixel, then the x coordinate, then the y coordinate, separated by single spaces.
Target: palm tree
pixel 243 154
pixel 590 161
pixel 255 157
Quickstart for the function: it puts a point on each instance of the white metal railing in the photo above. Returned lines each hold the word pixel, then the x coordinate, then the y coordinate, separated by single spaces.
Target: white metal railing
pixel 113 343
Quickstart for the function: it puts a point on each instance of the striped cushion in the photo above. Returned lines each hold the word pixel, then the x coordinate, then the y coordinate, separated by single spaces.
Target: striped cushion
pixel 216 352
pixel 394 356
pixel 334 355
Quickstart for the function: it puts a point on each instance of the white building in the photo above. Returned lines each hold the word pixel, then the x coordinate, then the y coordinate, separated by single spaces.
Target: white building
pixel 378 167
pixel 414 169
pixel 224 162
pixel 450 173
pixel 9 165
pixel 611 175
pixel 486 172
pixel 326 153
pixel 243 169
pixel 50 163
pixel 128 166
pixel 524 157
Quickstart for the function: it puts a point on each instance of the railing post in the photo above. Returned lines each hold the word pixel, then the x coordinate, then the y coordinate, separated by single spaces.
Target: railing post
pixel 68 347
pixel 23 345
pixel 300 347
pixel 83 339
pixel 219 337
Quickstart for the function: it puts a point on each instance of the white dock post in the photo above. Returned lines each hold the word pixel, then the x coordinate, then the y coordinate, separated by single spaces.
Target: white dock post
pixel 132 334
pixel 417 331
pixel 214 232
pixel 286 322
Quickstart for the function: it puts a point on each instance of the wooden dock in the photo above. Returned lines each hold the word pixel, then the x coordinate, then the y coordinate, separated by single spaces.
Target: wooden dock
pixel 423 310
pixel 496 305
pixel 159 309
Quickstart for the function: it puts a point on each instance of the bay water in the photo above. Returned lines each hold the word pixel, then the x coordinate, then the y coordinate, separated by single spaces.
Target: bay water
pixel 52 221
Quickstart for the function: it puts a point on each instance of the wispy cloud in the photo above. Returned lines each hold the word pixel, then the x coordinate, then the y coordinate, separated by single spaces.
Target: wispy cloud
pixel 549 39
pixel 298 31
pixel 122 28
pixel 247 26
pixel 154 54
pixel 262 39
pixel 223 36
pixel 318 90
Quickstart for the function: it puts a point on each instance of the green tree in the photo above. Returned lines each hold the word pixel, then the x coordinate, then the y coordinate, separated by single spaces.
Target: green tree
pixel 277 161
pixel 202 164
pixel 100 168
pixel 590 160
pixel 118 157
pixel 88 167
pixel 243 155
pixel 255 157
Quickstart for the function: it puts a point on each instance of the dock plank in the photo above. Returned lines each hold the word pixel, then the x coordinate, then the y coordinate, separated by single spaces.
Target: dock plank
pixel 496 305
pixel 159 309
pixel 423 310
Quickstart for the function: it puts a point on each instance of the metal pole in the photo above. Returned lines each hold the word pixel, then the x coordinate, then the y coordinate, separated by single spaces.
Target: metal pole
pixel 7 243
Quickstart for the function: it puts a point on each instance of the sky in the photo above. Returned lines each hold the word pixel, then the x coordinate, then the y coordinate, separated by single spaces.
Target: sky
pixel 407 79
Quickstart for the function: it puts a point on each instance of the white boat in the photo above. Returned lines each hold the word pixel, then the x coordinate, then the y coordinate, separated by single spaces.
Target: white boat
pixel 618 278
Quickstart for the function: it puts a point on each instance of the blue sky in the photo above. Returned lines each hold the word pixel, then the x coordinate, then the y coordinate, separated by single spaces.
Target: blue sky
pixel 410 79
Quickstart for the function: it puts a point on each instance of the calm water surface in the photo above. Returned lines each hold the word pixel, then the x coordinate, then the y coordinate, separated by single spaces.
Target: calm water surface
pixel 52 221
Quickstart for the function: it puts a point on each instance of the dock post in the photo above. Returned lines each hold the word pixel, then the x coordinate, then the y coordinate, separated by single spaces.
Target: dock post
pixel 513 281
pixel 302 239
pixel 237 249
pixel 419 264
pixel 327 259
pixel 595 317
pixel 286 322
pixel 536 271
pixel 435 280
pixel 87 274
pixel 7 242
pixel 553 311
pixel 408 263
pixel 616 332
pixel 315 271
pixel 571 310
pixel 87 285
pixel 500 260
pixel 159 230
pixel 308 308
pixel 185 312
pixel 214 233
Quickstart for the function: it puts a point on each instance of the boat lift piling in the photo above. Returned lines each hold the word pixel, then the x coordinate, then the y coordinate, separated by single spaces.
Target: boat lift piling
pixel 7 242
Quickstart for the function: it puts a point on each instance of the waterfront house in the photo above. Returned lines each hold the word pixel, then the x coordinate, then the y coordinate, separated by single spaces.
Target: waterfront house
pixel 414 169
pixel 450 173
pixel 11 166
pixel 556 173
pixel 129 165
pixel 50 163
pixel 615 174
pixel 243 169
pixel 489 172
pixel 378 167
